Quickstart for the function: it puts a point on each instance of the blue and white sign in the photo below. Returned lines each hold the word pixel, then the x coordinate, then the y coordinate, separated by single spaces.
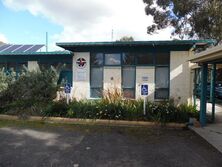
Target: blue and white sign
pixel 67 88
pixel 144 90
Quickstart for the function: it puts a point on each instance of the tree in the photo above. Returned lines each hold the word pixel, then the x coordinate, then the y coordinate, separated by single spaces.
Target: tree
pixel 191 18
pixel 126 38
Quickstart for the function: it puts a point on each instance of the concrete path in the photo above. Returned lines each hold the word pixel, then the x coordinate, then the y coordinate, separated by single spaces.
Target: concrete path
pixel 212 133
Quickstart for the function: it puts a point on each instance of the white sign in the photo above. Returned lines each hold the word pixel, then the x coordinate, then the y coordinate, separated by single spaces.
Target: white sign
pixel 145 78
pixel 81 75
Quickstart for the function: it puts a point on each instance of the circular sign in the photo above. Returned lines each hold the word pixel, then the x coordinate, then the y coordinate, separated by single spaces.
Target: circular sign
pixel 81 63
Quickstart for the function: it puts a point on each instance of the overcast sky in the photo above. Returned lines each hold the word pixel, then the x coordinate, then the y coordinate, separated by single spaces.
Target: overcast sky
pixel 26 21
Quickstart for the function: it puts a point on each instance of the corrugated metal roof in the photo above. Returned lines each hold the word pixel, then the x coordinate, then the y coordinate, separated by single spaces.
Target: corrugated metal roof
pixel 137 43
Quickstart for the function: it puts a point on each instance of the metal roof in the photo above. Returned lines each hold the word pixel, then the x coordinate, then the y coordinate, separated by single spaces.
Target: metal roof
pixel 137 43
pixel 35 53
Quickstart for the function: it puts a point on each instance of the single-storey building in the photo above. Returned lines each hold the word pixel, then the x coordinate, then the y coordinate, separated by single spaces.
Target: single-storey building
pixel 96 67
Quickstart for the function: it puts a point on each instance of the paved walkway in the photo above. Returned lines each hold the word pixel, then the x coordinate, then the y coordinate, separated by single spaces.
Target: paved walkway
pixel 212 132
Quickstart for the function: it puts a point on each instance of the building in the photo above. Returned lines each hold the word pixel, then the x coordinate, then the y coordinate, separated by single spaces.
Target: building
pixel 96 67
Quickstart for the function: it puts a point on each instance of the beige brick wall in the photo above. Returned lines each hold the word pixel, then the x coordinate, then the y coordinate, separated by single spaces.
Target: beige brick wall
pixel 145 72
pixel 81 77
pixel 180 76
pixel 112 78
pixel 33 66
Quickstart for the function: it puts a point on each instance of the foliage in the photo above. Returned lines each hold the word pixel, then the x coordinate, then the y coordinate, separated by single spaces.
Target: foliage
pixel 6 79
pixel 193 18
pixel 126 38
pixel 122 110
pixel 30 92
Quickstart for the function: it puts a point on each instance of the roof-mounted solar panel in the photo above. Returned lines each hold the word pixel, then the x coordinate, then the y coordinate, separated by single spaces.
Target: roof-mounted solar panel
pixel 23 48
pixel 34 48
pixel 3 47
pixel 12 48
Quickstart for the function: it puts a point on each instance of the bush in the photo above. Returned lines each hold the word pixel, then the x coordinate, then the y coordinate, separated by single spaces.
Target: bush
pixel 122 110
pixel 30 92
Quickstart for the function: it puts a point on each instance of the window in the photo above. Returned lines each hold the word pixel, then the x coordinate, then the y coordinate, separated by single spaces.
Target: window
pixel 128 81
pixel 145 59
pixel 96 82
pixel 96 59
pixel 162 83
pixel 128 59
pixel 113 59
pixel 162 58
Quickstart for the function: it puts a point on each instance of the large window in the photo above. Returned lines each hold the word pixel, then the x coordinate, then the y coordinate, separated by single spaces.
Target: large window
pixel 128 81
pixel 162 58
pixel 113 59
pixel 96 59
pixel 162 83
pixel 96 82
pixel 145 58
pixel 128 58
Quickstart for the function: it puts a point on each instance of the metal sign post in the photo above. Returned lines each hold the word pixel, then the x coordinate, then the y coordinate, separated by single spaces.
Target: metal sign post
pixel 144 93
pixel 67 90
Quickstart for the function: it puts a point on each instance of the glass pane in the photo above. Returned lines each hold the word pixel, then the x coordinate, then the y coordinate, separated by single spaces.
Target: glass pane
pixel 128 59
pixel 96 59
pixel 97 77
pixel 2 65
pixel 67 67
pixel 11 66
pixel 162 58
pixel 129 93
pixel 128 77
pixel 96 93
pixel 162 77
pixel 144 58
pixel 162 93
pixel 21 66
pixel 112 59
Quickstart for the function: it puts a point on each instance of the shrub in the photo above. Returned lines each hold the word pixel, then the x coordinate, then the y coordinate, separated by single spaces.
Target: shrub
pixel 29 92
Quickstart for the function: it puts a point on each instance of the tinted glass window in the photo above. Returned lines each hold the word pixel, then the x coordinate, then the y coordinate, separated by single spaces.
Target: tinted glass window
pixel 162 58
pixel 162 83
pixel 128 59
pixel 128 77
pixel 96 59
pixel 128 81
pixel 144 58
pixel 129 93
pixel 113 59
pixel 96 77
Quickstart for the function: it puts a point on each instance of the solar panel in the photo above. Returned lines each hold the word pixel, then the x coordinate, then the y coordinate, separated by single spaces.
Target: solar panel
pixel 23 48
pixel 4 47
pixel 12 48
pixel 34 48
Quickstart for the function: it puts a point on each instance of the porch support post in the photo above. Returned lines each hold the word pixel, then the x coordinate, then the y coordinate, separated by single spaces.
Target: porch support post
pixel 203 97
pixel 212 90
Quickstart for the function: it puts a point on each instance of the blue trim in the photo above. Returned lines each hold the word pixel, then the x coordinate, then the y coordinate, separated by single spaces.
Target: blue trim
pixel 212 90
pixel 203 98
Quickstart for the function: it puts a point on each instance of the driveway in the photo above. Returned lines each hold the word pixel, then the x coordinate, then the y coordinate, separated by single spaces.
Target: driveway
pixel 27 144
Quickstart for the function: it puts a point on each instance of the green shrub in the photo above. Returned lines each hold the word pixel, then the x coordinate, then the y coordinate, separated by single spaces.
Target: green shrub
pixel 123 110
pixel 30 92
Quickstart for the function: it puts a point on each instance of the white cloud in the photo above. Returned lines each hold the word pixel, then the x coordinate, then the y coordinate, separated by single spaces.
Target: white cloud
pixel 3 38
pixel 93 20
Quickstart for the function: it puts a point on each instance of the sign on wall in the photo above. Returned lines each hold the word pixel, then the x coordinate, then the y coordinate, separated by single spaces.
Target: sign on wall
pixel 81 70
pixel 81 63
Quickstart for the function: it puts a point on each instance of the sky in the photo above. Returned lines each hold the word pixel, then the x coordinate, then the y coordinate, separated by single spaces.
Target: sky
pixel 27 21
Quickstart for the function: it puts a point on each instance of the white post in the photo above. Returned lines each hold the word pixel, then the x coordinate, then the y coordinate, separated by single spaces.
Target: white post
pixel 144 106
